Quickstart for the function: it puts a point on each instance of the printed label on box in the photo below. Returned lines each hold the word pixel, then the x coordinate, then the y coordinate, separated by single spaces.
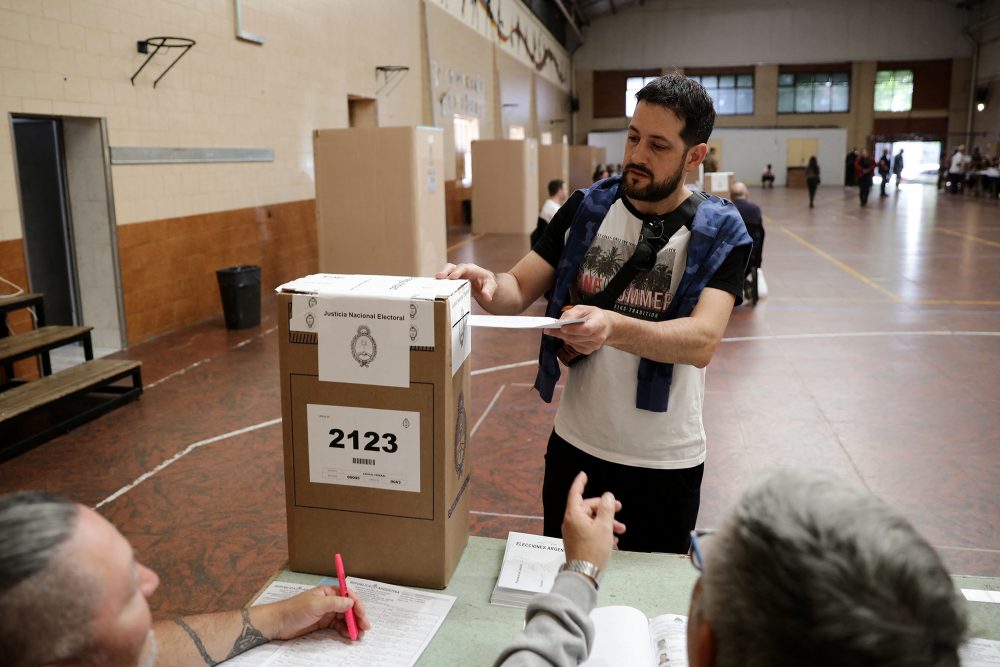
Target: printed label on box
pixel 364 340
pixel 378 449
pixel 460 304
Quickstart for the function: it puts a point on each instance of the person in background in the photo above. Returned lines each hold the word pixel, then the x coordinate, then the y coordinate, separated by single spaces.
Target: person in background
pixel 897 167
pixel 850 169
pixel 956 170
pixel 711 162
pixel 643 346
pixel 812 178
pixel 754 220
pixel 557 197
pixel 767 178
pixel 600 173
pixel 864 168
pixel 806 569
pixel 72 593
pixel 884 169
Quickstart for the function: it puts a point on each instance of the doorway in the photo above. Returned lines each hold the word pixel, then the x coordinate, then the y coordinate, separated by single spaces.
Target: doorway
pixel 48 243
pixel 69 228
pixel 921 159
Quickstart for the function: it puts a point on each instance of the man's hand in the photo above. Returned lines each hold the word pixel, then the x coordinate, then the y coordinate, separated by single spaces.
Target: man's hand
pixel 320 607
pixel 589 526
pixel 589 335
pixel 482 281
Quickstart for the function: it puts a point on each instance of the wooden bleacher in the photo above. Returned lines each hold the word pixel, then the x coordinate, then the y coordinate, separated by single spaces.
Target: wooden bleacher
pixel 34 411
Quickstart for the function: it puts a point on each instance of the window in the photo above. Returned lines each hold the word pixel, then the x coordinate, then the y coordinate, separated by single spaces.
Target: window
pixel 820 92
pixel 632 86
pixel 894 90
pixel 466 131
pixel 732 94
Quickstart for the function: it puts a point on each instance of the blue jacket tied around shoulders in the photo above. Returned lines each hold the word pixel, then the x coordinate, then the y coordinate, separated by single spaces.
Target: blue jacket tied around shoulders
pixel 717 229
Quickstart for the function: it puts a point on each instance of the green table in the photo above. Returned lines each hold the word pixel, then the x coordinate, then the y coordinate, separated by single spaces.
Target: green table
pixel 653 583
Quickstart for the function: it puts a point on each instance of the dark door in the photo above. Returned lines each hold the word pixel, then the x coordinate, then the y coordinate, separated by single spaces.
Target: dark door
pixel 47 239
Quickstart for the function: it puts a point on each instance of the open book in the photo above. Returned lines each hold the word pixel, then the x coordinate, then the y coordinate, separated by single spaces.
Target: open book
pixel 624 636
pixel 530 565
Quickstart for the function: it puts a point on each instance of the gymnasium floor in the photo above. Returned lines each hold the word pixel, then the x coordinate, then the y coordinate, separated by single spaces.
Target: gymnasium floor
pixel 876 356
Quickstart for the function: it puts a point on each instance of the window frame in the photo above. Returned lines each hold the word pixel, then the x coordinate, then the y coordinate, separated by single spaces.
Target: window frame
pixel 809 82
pixel 893 89
pixel 715 87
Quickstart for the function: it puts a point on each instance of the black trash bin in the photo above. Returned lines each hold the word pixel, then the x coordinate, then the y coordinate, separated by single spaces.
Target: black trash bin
pixel 239 287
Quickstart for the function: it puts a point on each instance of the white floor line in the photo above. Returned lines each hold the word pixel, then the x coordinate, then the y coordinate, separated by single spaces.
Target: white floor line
pixel 182 371
pixel 857 334
pixel 207 359
pixel 494 369
pixel 509 516
pixel 489 407
pixel 181 454
pixel 976 549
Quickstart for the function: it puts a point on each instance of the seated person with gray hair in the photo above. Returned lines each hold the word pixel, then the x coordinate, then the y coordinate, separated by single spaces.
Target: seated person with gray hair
pixel 72 593
pixel 806 570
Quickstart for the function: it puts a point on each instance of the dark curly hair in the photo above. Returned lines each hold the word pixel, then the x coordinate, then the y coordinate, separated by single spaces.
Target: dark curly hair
pixel 686 98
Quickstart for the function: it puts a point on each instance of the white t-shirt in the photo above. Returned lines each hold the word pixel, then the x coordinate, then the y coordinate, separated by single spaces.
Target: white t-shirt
pixel 549 209
pixel 597 412
pixel 957 163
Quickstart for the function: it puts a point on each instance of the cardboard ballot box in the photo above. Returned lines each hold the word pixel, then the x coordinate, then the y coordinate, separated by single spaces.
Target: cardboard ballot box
pixel 719 183
pixel 374 396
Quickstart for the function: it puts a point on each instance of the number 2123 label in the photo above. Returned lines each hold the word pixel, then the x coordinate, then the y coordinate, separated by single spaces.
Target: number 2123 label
pixel 364 447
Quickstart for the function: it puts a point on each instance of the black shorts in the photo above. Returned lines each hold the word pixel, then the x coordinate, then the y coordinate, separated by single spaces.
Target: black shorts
pixel 659 507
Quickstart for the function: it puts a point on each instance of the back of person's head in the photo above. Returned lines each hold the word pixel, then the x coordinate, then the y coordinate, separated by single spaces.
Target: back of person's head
pixel 600 171
pixel 686 98
pixel 40 588
pixel 738 191
pixel 555 185
pixel 810 570
pixel 813 162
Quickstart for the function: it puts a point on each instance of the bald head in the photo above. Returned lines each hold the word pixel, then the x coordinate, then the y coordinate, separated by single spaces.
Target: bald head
pixel 738 191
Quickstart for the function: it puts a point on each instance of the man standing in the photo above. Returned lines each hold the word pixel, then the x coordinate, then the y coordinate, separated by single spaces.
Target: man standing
pixel 72 593
pixel 897 167
pixel 711 162
pixel 884 169
pixel 557 197
pixel 865 170
pixel 850 168
pixel 631 412
pixel 956 169
pixel 754 221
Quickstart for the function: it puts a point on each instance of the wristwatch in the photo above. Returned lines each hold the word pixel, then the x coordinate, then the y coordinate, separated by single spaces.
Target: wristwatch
pixel 584 567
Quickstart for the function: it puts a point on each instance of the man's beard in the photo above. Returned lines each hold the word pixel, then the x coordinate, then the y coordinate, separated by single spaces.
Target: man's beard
pixel 655 190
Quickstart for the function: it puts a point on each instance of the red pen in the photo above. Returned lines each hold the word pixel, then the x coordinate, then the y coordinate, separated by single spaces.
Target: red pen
pixel 352 626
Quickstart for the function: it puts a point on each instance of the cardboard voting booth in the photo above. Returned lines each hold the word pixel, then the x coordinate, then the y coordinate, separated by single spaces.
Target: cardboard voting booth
pixel 374 395
pixel 553 163
pixel 582 162
pixel 718 183
pixel 380 200
pixel 504 186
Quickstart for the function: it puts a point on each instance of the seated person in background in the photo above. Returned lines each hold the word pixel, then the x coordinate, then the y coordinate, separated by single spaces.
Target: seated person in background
pixel 557 197
pixel 72 593
pixel 767 178
pixel 806 570
pixel 754 221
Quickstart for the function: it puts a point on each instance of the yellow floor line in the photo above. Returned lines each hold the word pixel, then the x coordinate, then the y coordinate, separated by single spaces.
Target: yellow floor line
pixel 969 237
pixel 825 255
pixel 464 241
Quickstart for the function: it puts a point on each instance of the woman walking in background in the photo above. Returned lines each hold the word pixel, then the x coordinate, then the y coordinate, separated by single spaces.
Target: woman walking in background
pixel 812 178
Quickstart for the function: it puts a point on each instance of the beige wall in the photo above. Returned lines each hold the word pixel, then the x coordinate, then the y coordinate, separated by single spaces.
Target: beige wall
pixel 75 58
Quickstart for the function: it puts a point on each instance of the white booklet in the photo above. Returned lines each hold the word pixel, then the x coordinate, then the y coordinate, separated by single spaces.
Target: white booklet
pixel 624 636
pixel 404 621
pixel 530 565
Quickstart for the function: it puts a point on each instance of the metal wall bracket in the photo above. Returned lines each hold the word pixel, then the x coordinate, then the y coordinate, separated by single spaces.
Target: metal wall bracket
pixel 390 75
pixel 240 32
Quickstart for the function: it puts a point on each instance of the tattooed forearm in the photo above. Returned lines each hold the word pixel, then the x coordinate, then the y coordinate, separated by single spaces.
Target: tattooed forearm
pixel 197 642
pixel 249 637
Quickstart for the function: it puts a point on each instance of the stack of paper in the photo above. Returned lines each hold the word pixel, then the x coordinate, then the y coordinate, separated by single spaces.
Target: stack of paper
pixel 530 565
